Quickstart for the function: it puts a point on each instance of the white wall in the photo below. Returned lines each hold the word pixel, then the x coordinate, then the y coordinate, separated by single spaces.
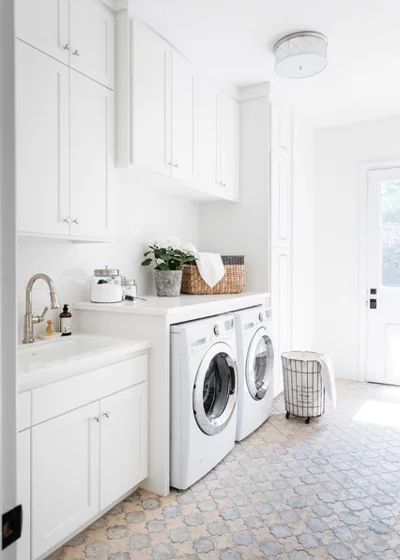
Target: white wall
pixel 303 253
pixel 340 153
pixel 141 215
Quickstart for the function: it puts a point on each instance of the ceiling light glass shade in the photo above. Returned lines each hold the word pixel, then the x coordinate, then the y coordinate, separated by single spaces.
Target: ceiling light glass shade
pixel 301 55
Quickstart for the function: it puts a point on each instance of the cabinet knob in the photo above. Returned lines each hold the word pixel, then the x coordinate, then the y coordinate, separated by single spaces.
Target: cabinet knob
pixel 75 52
pixel 67 220
pixel 96 418
pixel 107 414
pixel 65 46
pixel 175 165
pixel 75 221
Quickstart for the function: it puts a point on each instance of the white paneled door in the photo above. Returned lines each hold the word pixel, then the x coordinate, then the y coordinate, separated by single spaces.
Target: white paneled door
pixel 123 442
pixel 383 273
pixel 42 142
pixel 183 119
pixel 91 139
pixel 65 476
pixel 44 25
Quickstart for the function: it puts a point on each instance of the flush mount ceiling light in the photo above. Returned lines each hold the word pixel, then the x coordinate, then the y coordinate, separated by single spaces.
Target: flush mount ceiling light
pixel 301 54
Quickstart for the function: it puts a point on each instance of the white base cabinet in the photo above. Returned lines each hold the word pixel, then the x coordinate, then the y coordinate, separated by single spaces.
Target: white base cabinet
pixel 65 476
pixel 123 442
pixel 74 463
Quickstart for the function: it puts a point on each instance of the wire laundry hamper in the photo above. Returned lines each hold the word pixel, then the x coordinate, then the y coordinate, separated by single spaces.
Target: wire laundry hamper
pixel 303 388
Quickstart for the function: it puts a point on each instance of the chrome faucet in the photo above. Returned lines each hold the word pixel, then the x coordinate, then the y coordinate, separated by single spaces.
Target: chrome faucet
pixel 29 319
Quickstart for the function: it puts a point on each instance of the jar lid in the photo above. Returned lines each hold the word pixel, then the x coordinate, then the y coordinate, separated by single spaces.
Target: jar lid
pixel 106 271
pixel 128 281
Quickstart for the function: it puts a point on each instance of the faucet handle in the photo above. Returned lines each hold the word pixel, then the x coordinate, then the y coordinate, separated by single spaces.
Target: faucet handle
pixel 40 318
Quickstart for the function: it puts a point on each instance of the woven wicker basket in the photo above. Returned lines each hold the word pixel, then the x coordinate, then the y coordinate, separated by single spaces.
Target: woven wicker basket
pixel 233 281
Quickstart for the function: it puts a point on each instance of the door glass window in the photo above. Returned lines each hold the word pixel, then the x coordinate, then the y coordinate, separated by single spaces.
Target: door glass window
pixel 390 233
pixel 218 386
pixel 262 366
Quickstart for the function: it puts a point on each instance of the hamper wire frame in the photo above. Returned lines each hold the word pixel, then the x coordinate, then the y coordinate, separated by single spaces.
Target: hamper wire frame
pixel 303 389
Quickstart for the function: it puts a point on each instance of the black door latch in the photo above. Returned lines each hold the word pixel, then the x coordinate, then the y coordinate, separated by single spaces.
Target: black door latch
pixel 11 526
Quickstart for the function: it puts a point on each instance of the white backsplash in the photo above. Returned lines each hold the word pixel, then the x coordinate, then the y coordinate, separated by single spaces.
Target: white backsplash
pixel 141 214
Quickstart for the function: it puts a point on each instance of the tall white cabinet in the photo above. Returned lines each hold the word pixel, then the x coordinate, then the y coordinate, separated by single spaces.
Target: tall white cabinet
pixel 259 225
pixel 64 118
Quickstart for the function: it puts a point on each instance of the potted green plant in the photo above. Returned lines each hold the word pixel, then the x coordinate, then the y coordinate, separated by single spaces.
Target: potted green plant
pixel 169 260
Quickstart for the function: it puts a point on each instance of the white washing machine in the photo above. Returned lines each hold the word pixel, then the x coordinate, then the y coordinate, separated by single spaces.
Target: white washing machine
pixel 203 396
pixel 255 368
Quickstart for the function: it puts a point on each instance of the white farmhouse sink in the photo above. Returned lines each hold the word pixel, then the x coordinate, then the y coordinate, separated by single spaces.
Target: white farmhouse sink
pixel 48 361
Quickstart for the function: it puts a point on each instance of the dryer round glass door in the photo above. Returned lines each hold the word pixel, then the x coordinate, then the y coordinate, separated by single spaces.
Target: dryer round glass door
pixel 215 389
pixel 260 365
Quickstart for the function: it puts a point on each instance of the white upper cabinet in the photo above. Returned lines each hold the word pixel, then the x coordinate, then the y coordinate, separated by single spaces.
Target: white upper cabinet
pixel 164 124
pixel 280 199
pixel 92 40
pixel 207 98
pixel 44 24
pixel 183 121
pixel 75 32
pixel 281 128
pixel 91 140
pixel 149 100
pixel 227 139
pixel 42 150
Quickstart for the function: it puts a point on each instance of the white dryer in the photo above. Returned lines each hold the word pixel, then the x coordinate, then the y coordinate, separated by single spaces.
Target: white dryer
pixel 255 368
pixel 203 396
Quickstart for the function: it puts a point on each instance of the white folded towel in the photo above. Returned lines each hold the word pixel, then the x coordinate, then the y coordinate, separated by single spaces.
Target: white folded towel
pixel 328 377
pixel 211 268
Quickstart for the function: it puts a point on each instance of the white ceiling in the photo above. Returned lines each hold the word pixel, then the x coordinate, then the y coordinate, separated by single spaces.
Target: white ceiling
pixel 233 39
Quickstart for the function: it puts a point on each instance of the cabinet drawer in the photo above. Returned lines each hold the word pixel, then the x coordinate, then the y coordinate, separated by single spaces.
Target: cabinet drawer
pixel 24 410
pixel 58 398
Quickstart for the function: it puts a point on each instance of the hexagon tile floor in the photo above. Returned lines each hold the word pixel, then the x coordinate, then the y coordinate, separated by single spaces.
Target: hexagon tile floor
pixel 288 492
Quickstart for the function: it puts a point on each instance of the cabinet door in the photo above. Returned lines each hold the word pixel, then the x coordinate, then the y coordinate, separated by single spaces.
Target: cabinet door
pixel 44 24
pixel 280 199
pixel 207 136
pixel 41 142
pixel 92 40
pixel 280 299
pixel 24 492
pixel 65 476
pixel 281 128
pixel 91 141
pixel 227 146
pixel 183 118
pixel 123 442
pixel 150 101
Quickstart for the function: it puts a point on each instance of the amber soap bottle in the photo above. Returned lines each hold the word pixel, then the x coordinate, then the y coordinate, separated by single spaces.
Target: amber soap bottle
pixel 65 322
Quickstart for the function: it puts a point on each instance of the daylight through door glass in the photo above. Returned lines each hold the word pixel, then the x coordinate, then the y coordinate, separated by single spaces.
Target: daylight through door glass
pixel 390 233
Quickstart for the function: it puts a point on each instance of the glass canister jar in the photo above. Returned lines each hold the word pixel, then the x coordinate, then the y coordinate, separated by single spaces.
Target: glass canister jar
pixel 129 289
pixel 106 285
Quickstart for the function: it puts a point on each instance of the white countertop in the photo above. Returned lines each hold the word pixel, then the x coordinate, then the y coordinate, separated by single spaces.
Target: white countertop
pixel 181 307
pixel 45 362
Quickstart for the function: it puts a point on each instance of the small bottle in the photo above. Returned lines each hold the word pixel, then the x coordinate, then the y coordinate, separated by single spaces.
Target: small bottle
pixel 50 331
pixel 65 322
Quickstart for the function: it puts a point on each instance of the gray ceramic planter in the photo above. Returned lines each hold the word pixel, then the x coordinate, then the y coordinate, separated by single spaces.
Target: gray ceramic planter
pixel 168 282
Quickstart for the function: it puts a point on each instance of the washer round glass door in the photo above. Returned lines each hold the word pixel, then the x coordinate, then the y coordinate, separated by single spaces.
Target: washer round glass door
pixel 260 365
pixel 215 389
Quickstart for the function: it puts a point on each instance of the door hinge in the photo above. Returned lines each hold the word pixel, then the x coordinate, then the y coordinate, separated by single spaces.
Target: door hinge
pixel 11 526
